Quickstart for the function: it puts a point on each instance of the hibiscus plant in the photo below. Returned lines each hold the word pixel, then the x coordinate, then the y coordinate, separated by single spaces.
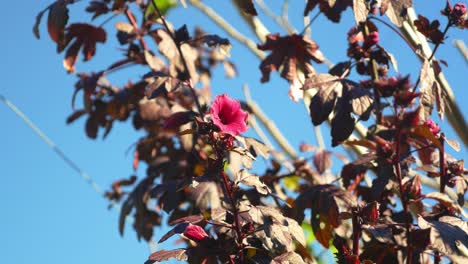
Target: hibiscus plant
pixel 399 196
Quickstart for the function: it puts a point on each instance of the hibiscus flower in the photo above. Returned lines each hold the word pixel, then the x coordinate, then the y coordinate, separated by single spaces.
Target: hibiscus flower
pixel 228 116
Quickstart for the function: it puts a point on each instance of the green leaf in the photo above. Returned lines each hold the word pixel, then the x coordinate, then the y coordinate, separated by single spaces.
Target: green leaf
pixel 291 182
pixel 163 5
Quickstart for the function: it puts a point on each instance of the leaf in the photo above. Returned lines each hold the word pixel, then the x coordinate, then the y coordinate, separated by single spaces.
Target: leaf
pixel 163 5
pixel 446 201
pixel 323 102
pixel 361 100
pixel 98 8
pixel 440 100
pixel 85 37
pixel 288 257
pixel 425 132
pixel 289 53
pixel 92 127
pixel 277 231
pixel 331 8
pixel 193 219
pixel 57 20
pixel 360 11
pixel 444 236
pixel 161 255
pixel 427 96
pixel 395 10
pixel 168 48
pixel 429 30
pixel 178 119
pixel 155 63
pixel 255 147
pixel 453 143
pixel 249 179
pixel 324 201
pixel 77 114
pixel 37 23
pixel 178 229
pixel 342 124
pixel 216 41
pixel 322 161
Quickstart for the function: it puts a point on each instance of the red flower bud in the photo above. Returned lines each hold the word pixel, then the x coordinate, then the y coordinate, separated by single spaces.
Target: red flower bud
pixel 435 129
pixel 371 39
pixel 459 10
pixel 195 233
pixel 371 212
pixel 457 14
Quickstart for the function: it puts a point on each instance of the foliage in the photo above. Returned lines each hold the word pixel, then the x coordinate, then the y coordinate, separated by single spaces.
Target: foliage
pixel 199 166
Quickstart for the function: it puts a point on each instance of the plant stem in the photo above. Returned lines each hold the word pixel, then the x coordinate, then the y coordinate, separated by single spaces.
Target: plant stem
pixel 404 202
pixel 131 19
pixel 356 234
pixel 443 176
pixel 235 212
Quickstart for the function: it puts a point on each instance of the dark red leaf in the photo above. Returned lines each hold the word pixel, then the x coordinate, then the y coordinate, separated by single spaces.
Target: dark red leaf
pixel 57 20
pixel 85 37
pixel 322 161
pixel 290 52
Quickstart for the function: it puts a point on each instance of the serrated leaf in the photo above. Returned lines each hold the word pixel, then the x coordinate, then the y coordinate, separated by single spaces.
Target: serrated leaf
pixel 249 179
pixel 444 236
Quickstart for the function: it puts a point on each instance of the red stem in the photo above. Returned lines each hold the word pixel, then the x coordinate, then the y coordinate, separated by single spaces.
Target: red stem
pixel 443 176
pixel 131 19
pixel 396 163
pixel 235 212
pixel 356 234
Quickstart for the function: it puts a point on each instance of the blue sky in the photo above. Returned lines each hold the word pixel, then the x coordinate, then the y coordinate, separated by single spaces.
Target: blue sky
pixel 49 214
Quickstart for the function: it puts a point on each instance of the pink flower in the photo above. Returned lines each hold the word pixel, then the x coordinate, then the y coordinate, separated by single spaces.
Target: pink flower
pixel 228 116
pixel 195 233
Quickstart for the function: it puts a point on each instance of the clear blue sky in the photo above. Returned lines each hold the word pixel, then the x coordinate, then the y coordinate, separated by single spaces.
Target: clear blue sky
pixel 50 215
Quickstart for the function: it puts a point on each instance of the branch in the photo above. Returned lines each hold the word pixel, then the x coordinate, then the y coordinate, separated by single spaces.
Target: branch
pixel 215 17
pixel 273 129
pixel 281 21
pixel 460 44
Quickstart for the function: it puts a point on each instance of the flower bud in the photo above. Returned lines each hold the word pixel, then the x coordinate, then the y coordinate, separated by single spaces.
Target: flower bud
pixel 195 233
pixel 433 127
pixel 371 39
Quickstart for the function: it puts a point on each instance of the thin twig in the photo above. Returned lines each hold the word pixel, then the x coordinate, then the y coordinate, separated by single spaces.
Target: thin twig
pixel 284 23
pixel 131 19
pixel 215 17
pixel 460 45
pixel 274 130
